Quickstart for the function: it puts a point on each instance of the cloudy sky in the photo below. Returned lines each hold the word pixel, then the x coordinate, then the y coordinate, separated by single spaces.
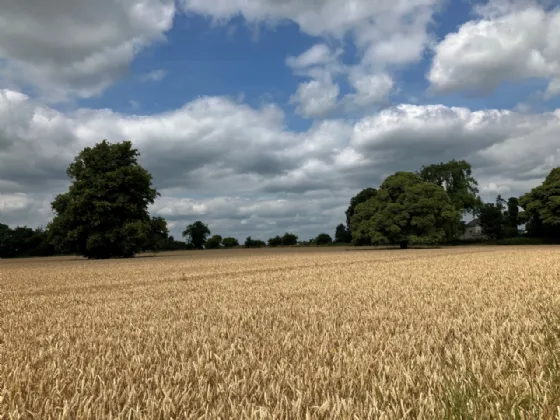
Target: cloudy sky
pixel 263 116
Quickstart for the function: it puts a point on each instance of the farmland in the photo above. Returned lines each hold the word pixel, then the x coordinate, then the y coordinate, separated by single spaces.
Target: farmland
pixel 446 333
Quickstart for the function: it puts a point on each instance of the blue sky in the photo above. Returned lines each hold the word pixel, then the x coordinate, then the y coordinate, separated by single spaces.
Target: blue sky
pixel 261 116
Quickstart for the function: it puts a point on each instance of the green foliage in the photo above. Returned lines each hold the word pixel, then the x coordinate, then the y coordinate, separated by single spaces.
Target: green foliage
pixel 159 235
pixel 492 221
pixel 214 242
pixel 358 199
pixel 230 243
pixel 456 178
pixel 24 242
pixel 274 242
pixel 171 244
pixel 461 187
pixel 342 235
pixel 196 234
pixel 254 243
pixel 289 239
pixel 323 239
pixel 542 208
pixel 406 210
pixel 498 223
pixel 104 214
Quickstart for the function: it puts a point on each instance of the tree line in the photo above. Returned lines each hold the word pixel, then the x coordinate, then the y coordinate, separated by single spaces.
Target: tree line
pixel 104 213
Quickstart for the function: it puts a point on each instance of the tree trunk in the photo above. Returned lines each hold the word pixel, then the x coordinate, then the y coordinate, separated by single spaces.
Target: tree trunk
pixel 404 245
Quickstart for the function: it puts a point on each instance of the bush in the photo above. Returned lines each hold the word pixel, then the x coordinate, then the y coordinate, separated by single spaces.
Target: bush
pixel 254 243
pixel 230 242
pixel 214 242
pixel 289 239
pixel 276 241
pixel 323 239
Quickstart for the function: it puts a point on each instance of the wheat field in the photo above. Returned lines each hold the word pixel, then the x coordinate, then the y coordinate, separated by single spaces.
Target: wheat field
pixel 323 334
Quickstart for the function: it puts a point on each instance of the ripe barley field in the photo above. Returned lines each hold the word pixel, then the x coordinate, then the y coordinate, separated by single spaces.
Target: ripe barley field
pixel 333 334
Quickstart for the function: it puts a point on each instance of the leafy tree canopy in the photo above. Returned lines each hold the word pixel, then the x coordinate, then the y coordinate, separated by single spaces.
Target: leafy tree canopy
pixel 359 198
pixel 276 241
pixel 254 243
pixel 230 242
pixel 342 234
pixel 24 242
pixel 456 178
pixel 492 221
pixel 323 239
pixel 104 214
pixel 406 210
pixel 542 208
pixel 214 242
pixel 196 234
pixel 289 239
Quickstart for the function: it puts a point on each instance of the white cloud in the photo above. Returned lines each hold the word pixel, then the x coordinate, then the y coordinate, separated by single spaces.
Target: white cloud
pixel 520 44
pixel 154 76
pixel 386 33
pixel 317 17
pixel 316 98
pixel 319 54
pixel 76 47
pixel 370 88
pixel 242 171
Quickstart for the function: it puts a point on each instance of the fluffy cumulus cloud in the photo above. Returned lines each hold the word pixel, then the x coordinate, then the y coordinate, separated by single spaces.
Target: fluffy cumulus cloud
pixel 65 48
pixel 242 171
pixel 386 33
pixel 316 98
pixel 509 42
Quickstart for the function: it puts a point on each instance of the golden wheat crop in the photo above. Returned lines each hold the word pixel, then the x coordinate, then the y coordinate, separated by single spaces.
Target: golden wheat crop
pixel 449 333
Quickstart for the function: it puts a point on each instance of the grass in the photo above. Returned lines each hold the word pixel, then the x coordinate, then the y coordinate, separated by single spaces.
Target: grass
pixel 453 333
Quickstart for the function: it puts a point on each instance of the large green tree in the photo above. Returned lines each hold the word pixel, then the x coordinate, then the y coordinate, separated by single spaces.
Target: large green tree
pixel 196 234
pixel 104 214
pixel 492 220
pixel 359 198
pixel 275 241
pixel 542 208
pixel 230 242
pixel 214 242
pixel 406 210
pixel 456 178
pixel 342 234
pixel 289 239
pixel 323 239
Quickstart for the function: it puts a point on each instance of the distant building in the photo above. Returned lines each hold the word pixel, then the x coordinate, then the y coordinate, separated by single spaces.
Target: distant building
pixel 473 231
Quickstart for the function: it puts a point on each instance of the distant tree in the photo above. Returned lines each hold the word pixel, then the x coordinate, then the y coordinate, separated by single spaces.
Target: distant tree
pixel 406 210
pixel 159 235
pixel 512 220
pixel 359 198
pixel 24 242
pixel 254 243
pixel 542 208
pixel 342 234
pixel 289 239
pixel 104 214
pixel 230 242
pixel 457 180
pixel 492 220
pixel 214 242
pixel 171 244
pixel 323 239
pixel 276 241
pixel 196 234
